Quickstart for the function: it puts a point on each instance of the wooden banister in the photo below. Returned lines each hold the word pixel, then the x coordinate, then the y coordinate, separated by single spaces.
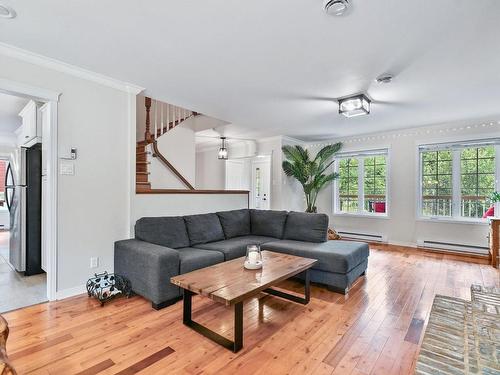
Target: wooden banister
pixel 158 154
pixel 147 134
pixel 150 137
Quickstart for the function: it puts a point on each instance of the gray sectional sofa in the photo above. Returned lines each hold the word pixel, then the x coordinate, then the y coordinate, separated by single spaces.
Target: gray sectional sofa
pixel 167 246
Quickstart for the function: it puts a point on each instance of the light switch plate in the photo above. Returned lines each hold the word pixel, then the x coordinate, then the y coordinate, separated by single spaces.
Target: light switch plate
pixel 67 168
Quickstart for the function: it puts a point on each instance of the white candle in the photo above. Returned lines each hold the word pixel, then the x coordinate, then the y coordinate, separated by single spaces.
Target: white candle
pixel 253 257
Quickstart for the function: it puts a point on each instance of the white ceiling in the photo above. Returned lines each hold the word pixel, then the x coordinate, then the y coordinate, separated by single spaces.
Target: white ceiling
pixel 10 106
pixel 274 67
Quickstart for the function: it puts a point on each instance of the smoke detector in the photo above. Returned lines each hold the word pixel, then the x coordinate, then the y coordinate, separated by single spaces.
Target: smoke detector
pixel 6 11
pixel 336 7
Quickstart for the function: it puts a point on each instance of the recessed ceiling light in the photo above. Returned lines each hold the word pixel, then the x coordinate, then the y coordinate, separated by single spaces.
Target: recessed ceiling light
pixel 354 106
pixel 7 12
pixel 336 7
pixel 385 78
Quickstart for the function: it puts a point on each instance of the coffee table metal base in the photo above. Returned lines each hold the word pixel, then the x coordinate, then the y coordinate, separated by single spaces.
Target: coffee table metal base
pixel 237 344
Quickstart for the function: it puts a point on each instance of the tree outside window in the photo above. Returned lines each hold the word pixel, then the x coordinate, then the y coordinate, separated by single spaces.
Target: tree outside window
pixel 362 183
pixel 457 181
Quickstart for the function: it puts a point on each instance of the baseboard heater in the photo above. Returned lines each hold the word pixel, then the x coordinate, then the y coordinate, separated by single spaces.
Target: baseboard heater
pixel 453 247
pixel 372 237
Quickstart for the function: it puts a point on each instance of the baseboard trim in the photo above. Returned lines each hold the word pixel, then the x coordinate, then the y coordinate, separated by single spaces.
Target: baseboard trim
pixel 71 292
pixel 482 258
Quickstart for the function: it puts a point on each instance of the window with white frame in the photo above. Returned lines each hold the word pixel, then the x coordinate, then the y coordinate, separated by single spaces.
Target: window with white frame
pixel 457 179
pixel 362 184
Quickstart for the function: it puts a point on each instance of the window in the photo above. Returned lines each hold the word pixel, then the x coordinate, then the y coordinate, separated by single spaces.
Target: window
pixel 348 185
pixel 362 184
pixel 436 183
pixel 457 180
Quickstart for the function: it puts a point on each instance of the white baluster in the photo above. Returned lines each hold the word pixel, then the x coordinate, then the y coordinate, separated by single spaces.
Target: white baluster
pixel 168 116
pixel 156 120
pixel 161 118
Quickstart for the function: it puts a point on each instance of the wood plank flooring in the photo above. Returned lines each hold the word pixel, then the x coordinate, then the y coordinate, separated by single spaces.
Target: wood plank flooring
pixel 376 329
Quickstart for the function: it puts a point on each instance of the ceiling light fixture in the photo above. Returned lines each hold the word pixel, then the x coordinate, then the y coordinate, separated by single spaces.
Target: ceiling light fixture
pixel 7 12
pixel 336 7
pixel 354 106
pixel 222 150
pixel 384 78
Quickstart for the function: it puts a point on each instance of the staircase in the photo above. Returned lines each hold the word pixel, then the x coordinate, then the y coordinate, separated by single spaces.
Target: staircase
pixel 141 167
pixel 174 116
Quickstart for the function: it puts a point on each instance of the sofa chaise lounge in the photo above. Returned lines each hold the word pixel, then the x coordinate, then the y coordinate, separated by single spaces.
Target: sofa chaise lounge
pixel 168 246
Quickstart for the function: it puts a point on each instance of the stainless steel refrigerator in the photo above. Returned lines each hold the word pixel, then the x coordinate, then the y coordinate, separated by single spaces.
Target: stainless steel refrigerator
pixel 23 195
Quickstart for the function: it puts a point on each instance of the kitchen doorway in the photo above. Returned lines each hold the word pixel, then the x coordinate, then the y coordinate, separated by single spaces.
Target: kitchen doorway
pixel 27 242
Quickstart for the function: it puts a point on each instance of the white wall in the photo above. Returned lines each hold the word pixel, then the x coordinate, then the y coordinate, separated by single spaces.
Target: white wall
pixel 210 171
pixel 178 147
pixel 140 117
pixel 402 226
pixel 93 205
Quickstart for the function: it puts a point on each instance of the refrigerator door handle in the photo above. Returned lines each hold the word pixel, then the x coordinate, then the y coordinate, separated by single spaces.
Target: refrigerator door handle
pixel 7 196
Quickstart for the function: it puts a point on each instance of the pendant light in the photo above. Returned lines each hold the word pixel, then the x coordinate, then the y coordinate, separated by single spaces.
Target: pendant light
pixel 222 150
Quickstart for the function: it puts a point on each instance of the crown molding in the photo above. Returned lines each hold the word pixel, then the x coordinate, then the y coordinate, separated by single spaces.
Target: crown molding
pixel 459 129
pixel 59 66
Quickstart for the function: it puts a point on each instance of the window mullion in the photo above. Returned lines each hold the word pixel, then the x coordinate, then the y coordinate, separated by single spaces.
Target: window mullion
pixel 336 188
pixel 456 184
pixel 361 194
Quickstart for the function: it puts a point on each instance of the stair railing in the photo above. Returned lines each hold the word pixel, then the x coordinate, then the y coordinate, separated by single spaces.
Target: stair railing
pixel 178 115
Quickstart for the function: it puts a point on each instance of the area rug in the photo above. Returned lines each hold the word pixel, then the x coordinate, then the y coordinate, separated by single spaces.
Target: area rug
pixel 462 337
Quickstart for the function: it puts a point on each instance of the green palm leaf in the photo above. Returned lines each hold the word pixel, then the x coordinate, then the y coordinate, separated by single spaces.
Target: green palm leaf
pixel 310 173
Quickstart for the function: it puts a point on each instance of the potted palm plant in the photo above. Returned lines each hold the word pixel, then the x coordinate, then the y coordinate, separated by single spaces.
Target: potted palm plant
pixel 313 174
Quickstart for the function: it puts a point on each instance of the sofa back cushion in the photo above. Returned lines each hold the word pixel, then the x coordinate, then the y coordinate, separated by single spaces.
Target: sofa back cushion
pixel 203 228
pixel 301 226
pixel 268 223
pixel 164 231
pixel 235 223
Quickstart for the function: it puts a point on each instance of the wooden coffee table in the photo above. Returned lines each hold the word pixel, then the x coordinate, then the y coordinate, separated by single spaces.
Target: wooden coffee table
pixel 231 284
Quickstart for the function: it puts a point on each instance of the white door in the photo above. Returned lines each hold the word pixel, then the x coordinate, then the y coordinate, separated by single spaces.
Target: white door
pixel 261 183
pixel 238 174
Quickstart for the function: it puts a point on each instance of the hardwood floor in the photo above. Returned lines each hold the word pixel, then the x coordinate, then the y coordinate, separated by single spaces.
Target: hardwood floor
pixel 376 329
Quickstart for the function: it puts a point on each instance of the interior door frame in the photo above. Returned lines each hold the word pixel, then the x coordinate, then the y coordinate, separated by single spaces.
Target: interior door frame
pixel 51 97
pixel 261 158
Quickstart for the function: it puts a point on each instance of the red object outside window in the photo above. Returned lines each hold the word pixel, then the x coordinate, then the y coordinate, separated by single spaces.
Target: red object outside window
pixel 489 212
pixel 379 207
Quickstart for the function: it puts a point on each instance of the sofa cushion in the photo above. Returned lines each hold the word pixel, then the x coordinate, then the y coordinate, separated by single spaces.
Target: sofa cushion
pixel 235 247
pixel 268 223
pixel 203 228
pixel 308 227
pixel 333 256
pixel 193 259
pixel 165 231
pixel 235 223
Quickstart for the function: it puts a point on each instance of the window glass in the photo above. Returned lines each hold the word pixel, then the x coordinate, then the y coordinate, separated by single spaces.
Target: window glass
pixel 437 196
pixel 348 185
pixel 374 184
pixel 477 180
pixel 458 181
